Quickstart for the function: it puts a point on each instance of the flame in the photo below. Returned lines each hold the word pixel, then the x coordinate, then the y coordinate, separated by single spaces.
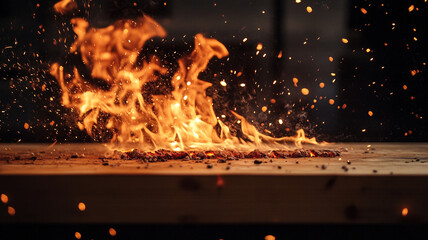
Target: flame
pixel 181 120
pixel 65 6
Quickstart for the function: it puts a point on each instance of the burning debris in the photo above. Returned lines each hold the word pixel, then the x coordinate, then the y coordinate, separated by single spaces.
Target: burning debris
pixel 163 155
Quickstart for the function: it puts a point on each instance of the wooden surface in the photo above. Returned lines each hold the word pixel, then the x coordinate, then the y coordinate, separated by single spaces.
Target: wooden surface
pixel 378 158
pixel 48 189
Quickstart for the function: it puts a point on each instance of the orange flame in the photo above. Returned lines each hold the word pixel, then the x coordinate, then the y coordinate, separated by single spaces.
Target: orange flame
pixel 183 119
pixel 65 6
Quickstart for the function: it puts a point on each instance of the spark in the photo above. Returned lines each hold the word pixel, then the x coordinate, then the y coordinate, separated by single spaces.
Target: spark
pixel 270 237
pixel 295 81
pixel 305 91
pixel 11 211
pixel 264 109
pixel 81 206
pixel 4 198
pixel 112 232
pixel 405 211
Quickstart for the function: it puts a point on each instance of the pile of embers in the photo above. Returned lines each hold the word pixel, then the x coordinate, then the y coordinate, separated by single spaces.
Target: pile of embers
pixel 164 155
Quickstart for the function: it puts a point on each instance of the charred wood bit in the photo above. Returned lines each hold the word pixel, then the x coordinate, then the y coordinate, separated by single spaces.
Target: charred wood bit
pixel 163 155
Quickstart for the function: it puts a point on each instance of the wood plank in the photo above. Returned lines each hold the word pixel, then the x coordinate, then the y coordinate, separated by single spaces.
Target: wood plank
pixel 48 189
pixel 154 199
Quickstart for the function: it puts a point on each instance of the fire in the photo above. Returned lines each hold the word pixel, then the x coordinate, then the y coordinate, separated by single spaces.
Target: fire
pixel 65 6
pixel 180 120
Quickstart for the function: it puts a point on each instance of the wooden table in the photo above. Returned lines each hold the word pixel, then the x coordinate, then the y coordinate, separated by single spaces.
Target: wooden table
pixel 369 183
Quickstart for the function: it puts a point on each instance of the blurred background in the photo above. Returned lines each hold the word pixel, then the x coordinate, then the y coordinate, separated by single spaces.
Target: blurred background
pixel 363 64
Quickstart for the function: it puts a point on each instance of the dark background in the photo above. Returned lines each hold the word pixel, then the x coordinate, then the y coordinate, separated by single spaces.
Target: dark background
pixel 32 37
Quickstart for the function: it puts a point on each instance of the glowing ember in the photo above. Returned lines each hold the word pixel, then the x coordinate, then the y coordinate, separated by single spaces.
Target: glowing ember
pixel 4 198
pixel 404 212
pixel 11 211
pixel 269 237
pixel 295 81
pixel 305 91
pixel 81 206
pixel 112 232
pixel 182 119
pixel 264 109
